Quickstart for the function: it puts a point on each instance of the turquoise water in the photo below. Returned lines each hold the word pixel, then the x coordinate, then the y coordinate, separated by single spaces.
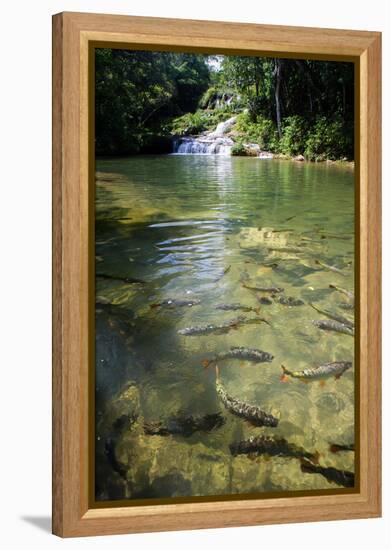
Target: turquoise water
pixel 196 228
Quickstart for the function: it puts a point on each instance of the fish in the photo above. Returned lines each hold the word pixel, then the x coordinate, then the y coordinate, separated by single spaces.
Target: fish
pixel 271 289
pixel 271 446
pixel 172 303
pixel 185 425
pixel 335 448
pixel 289 301
pixel 321 372
pixel 309 240
pixel 347 293
pixel 338 237
pixel 207 329
pixel 286 249
pixel 255 321
pixel 222 275
pixel 236 307
pixel 329 324
pixel 346 305
pixel 127 280
pixel 242 353
pixel 334 316
pixel 264 300
pixel 223 328
pixel 295 215
pixel 330 268
pixel 252 413
pixel 339 477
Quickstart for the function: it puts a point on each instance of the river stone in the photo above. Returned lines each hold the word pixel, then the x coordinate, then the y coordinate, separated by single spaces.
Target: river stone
pixel 265 155
pixel 126 402
pixel 249 475
pixel 252 149
pixel 286 473
pixel 331 402
pixel 166 467
pixel 254 236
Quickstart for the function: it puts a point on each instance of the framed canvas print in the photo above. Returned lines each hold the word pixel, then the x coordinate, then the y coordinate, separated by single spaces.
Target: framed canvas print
pixel 216 230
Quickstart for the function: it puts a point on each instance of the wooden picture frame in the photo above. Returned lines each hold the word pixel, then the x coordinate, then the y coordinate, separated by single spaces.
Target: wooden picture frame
pixel 73 36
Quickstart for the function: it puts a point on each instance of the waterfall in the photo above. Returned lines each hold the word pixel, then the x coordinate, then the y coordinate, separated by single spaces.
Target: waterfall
pixel 202 146
pixel 223 127
pixel 210 143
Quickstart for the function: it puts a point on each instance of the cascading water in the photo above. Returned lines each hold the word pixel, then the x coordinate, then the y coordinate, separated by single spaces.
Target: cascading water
pixel 202 146
pixel 211 143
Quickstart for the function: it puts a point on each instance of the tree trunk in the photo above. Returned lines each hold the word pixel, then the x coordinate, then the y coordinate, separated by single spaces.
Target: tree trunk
pixel 277 93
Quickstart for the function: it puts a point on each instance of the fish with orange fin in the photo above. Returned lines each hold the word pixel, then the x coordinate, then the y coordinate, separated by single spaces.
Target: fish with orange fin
pixel 321 373
pixel 242 353
pixel 252 413
pixel 271 446
pixel 335 448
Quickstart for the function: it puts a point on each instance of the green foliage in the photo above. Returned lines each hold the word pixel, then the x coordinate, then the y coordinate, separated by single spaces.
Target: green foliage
pixel 208 98
pixel 262 131
pixel 191 77
pixel 137 91
pixel 195 123
pixel 294 135
pixel 190 124
pixel 284 105
pixel 238 149
pixel 329 139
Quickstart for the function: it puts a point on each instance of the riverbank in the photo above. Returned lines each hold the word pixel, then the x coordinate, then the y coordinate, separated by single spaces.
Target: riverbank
pixel 237 135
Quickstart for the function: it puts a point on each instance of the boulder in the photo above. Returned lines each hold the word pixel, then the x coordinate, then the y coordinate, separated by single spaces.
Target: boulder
pixel 265 155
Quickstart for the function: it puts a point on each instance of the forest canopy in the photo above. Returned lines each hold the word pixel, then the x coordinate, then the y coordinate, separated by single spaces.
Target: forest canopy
pixel 286 106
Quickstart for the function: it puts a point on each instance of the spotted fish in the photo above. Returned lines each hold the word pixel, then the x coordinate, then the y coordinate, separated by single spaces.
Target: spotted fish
pixel 253 414
pixel 242 353
pixel 271 446
pixel 335 326
pixel 318 373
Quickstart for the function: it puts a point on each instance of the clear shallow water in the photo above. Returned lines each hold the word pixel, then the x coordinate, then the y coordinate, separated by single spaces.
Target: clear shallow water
pixel 197 228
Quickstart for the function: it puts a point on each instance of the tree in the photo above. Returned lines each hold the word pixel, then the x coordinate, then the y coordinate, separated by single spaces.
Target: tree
pixel 136 91
pixel 278 74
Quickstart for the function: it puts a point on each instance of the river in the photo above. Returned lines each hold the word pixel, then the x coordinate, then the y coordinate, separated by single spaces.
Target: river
pixel 200 228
